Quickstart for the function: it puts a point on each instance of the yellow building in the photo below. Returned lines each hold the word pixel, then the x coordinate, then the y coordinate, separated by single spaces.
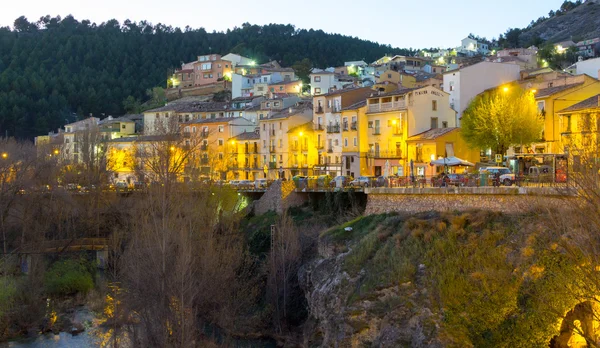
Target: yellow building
pixel 394 117
pixel 246 156
pixel 303 151
pixel 355 143
pixel 435 143
pixel 579 126
pixel 398 78
pixel 552 96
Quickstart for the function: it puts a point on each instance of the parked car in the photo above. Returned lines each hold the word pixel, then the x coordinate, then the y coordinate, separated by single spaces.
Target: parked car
pixel 541 173
pixel 72 187
pixel 234 183
pixel 260 184
pixel 361 181
pixel 340 181
pixel 507 178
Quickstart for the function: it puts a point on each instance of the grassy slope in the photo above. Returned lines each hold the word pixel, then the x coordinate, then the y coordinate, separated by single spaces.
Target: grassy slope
pixel 489 279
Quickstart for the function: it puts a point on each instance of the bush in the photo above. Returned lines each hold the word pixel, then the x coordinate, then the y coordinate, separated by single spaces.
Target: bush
pixel 68 277
pixel 8 292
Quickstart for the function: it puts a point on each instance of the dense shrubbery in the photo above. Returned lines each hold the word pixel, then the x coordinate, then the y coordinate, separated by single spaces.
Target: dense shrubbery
pixel 69 277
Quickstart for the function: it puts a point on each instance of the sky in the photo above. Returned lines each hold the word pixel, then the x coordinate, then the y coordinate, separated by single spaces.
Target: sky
pixel 401 23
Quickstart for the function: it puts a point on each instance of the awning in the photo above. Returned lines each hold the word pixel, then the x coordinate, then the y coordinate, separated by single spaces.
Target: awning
pixel 451 162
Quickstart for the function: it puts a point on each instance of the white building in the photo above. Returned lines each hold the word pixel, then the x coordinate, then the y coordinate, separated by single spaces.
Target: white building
pixel 472 47
pixel 236 59
pixel 466 83
pixel 590 67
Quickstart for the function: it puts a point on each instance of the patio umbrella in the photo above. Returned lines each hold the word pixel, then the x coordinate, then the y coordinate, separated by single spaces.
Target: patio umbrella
pixel 386 169
pixel 452 162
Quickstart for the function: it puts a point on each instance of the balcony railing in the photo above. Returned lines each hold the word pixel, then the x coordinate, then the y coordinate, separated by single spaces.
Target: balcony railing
pixel 203 134
pixel 294 147
pixel 320 146
pixel 186 134
pixel 384 154
pixel 390 106
pixel 376 131
pixel 345 127
pixel 318 109
pixel 353 126
pixel 271 149
pixel 333 128
pixel 272 165
pixel 336 108
pixel 318 127
pixel 330 149
pixel 203 147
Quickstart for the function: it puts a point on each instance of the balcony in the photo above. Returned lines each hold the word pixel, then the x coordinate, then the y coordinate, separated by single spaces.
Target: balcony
pixel 336 108
pixel 304 147
pixel 320 146
pixel 333 128
pixel 384 153
pixel 376 131
pixel 203 134
pixel 272 165
pixel 330 149
pixel 345 127
pixel 353 126
pixel 272 132
pixel 384 107
pixel 186 134
pixel 271 149
pixel 294 147
pixel 203 147
pixel 318 109
pixel 204 161
pixel 318 127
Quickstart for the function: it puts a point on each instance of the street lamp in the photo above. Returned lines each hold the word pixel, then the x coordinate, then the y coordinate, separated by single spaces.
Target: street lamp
pixel 56 152
pixel 4 155
pixel 505 89
pixel 172 148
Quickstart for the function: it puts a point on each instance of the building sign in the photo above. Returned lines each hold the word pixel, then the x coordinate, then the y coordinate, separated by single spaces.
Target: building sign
pixel 425 92
pixel 498 158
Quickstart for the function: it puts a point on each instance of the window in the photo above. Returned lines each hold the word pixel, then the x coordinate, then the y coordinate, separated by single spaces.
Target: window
pixel 276 104
pixel 264 144
pixel 206 66
pixel 261 117
pixel 389 76
pixel 370 124
pixel 355 141
pixel 220 142
pixel 260 89
pixel 337 142
pixel 434 122
pixel 317 78
pixel 221 129
pixel 280 125
pixel 444 124
pixel 280 143
pixel 220 156
pixel 264 125
pixel 346 142
pixel 317 91
pixel 434 105
pixel 219 65
pixel 280 158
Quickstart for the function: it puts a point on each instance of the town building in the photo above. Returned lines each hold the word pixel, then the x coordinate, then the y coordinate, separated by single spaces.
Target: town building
pixel 438 143
pixel 325 81
pixel 354 139
pixel 394 117
pixel 247 164
pixel 328 125
pixel 588 48
pixel 167 119
pixel 471 47
pixel 206 70
pixel 466 83
pixel 579 126
pixel 274 139
pixel 590 67
pixel 303 149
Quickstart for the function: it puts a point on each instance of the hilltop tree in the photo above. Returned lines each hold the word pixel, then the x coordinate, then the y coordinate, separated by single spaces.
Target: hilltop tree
pixel 502 118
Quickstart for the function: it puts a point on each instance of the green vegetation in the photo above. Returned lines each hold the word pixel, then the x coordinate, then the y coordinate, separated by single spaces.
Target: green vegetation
pixel 55 67
pixel 69 277
pixel 493 280
pixel 501 118
pixel 8 292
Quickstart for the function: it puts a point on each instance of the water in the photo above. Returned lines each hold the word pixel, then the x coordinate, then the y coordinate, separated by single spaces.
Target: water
pixel 51 340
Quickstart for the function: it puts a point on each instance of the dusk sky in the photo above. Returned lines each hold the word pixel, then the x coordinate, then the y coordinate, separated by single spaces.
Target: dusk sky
pixel 417 24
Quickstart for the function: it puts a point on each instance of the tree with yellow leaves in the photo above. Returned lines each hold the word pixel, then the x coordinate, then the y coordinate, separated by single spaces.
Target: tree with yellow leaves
pixel 502 118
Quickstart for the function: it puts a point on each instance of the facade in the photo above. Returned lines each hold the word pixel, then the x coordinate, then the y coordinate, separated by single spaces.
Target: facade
pixel 323 81
pixel 394 117
pixel 208 69
pixel 466 83
pixel 399 79
pixel 303 151
pixel 77 137
pixel 274 139
pixel 435 143
pixel 588 48
pixel 434 69
pixel 354 139
pixel 590 67
pixel 579 126
pixel 328 125
pixel 472 47
pixel 212 136
pixel 289 87
pixel 168 118
pixel 246 156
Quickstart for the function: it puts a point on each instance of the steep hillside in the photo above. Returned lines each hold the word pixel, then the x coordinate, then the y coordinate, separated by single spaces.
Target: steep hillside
pixel 580 23
pixel 55 67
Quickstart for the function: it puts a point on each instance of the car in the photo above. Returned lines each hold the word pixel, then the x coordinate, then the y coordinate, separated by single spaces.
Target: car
pixel 541 173
pixel 234 183
pixel 361 181
pixel 260 184
pixel 340 181
pixel 507 177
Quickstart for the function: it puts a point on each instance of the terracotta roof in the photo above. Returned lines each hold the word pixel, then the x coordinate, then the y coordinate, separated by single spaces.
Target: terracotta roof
pixel 247 136
pixel 322 73
pixel 590 103
pixel 285 113
pixel 214 120
pixel 192 107
pixel 344 90
pixel 546 92
pixel 432 134
pixel 355 106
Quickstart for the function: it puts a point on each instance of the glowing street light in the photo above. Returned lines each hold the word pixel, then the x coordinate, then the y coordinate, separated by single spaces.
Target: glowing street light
pixel 4 155
pixel 301 134
pixel 505 89
pixel 56 152
pixel 172 148
pixel 252 63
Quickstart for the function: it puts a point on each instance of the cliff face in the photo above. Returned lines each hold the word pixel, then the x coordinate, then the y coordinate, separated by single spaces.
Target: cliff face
pixel 582 22
pixel 347 312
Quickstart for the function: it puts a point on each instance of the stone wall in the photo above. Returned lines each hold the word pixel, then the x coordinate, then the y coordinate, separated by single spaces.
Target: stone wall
pixel 500 199
pixel 280 196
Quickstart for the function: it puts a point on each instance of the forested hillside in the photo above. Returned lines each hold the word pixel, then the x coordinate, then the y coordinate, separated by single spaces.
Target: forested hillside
pixel 56 69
